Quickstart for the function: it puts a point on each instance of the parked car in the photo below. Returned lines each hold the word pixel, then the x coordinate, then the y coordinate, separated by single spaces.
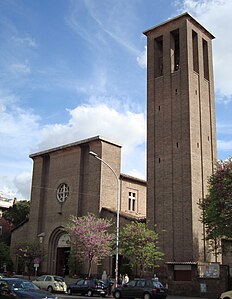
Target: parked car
pixel 226 295
pixel 51 283
pixel 141 288
pixel 21 288
pixel 88 286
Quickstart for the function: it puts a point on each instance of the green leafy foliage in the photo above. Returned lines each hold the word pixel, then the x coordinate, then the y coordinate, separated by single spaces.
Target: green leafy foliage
pixel 139 245
pixel 27 252
pixel 217 206
pixel 5 256
pixel 18 212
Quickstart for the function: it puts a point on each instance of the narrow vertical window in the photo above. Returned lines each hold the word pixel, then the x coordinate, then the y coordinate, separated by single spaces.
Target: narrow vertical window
pixel 205 59
pixel 158 52
pixel 175 50
pixel 131 201
pixel 195 52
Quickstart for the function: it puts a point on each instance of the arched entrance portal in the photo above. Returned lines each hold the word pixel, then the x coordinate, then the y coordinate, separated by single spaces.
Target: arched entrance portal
pixel 59 251
pixel 63 252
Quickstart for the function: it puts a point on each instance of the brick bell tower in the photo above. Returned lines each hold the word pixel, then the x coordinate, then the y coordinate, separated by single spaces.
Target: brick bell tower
pixel 181 134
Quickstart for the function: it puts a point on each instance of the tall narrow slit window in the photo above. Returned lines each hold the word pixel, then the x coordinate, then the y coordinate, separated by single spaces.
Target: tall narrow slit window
pixel 205 59
pixel 158 52
pixel 175 50
pixel 195 52
pixel 131 201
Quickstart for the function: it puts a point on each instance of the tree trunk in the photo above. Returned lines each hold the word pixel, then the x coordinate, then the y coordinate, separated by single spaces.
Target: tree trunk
pixel 90 266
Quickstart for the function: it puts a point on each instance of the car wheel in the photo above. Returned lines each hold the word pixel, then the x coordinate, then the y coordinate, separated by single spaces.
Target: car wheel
pixel 89 293
pixel 69 291
pixel 117 295
pixel 146 296
pixel 50 289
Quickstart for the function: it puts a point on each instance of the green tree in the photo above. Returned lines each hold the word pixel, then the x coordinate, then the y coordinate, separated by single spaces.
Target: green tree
pixel 90 239
pixel 139 245
pixel 18 212
pixel 217 206
pixel 27 252
pixel 5 256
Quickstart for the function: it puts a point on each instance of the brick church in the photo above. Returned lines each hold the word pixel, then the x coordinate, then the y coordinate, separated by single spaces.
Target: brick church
pixel 181 152
pixel 66 181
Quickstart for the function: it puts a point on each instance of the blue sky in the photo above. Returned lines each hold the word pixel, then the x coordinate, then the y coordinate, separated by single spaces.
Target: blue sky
pixel 73 69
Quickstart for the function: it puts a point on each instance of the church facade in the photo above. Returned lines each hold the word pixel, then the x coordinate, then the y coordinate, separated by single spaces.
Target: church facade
pixel 66 181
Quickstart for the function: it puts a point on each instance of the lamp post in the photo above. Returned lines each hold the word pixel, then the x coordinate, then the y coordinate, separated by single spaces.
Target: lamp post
pixel 118 208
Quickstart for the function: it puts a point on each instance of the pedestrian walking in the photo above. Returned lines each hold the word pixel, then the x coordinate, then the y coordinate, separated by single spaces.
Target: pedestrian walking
pixel 108 285
pixel 125 279
pixel 120 278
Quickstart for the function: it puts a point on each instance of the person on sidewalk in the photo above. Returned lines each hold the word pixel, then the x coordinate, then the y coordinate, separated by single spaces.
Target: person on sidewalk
pixel 108 285
pixel 125 279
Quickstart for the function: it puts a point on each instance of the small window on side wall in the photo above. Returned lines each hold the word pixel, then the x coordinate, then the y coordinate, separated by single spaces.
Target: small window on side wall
pixel 131 201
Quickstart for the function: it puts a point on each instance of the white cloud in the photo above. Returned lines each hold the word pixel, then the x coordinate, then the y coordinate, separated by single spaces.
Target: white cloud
pixel 22 68
pixel 224 128
pixel 224 99
pixel 26 40
pixel 18 131
pixel 23 184
pixel 224 145
pixel 142 58
pixel 125 128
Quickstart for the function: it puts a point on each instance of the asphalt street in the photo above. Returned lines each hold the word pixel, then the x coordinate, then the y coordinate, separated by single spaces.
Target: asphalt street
pixel 65 296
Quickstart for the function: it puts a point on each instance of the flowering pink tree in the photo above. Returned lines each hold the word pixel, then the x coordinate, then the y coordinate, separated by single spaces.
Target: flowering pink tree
pixel 90 239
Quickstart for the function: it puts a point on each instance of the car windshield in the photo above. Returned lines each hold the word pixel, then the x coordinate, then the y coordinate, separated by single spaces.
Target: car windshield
pixel 23 285
pixel 59 279
pixel 131 283
pixel 157 284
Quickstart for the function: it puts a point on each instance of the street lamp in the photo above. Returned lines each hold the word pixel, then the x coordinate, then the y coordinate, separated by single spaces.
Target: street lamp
pixel 118 207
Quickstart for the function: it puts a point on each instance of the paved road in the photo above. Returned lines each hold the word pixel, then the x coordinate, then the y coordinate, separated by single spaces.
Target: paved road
pixel 64 296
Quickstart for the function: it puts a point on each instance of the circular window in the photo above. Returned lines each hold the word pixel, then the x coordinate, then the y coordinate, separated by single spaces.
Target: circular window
pixel 62 192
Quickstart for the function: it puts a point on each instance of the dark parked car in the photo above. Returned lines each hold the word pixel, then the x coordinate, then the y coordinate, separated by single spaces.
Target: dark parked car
pixel 88 286
pixel 141 288
pixel 21 288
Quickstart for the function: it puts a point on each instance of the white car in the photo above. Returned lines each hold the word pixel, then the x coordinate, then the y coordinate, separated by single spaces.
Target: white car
pixel 226 295
pixel 51 283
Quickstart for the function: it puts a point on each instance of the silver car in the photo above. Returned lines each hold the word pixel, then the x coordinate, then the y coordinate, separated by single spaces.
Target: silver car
pixel 51 283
